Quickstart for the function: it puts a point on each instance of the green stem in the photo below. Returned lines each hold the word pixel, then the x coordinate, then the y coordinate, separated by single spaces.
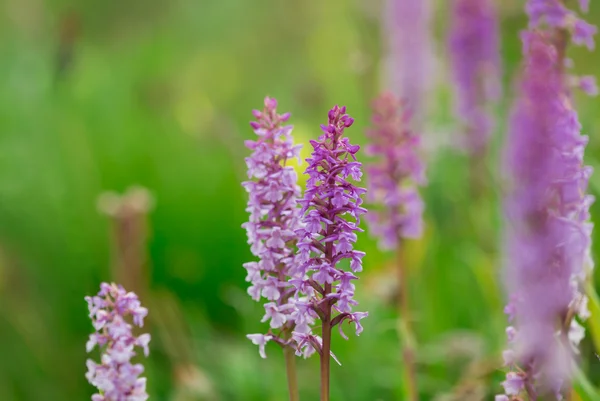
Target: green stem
pixel 290 369
pixel 326 322
pixel 326 349
pixel 405 330
pixel 477 170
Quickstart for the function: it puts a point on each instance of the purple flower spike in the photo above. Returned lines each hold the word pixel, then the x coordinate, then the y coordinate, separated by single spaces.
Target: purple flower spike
pixel 115 377
pixel 548 235
pixel 552 15
pixel 410 61
pixel 332 210
pixel 274 220
pixel 395 176
pixel 555 15
pixel 475 57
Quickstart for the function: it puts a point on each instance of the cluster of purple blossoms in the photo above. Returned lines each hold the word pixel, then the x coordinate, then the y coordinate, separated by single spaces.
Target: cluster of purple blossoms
pixel 274 220
pixel 555 15
pixel 115 377
pixel 393 179
pixel 548 236
pixel 407 32
pixel 475 57
pixel 331 210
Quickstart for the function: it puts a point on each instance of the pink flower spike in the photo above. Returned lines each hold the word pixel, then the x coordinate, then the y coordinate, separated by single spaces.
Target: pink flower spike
pixel 273 222
pixel 115 377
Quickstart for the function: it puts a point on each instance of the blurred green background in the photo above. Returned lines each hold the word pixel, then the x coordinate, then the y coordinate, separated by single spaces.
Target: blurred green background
pixel 100 96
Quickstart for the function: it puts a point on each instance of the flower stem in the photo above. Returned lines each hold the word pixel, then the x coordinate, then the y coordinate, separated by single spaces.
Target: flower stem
pixel 405 330
pixel 326 323
pixel 326 349
pixel 290 370
pixel 478 174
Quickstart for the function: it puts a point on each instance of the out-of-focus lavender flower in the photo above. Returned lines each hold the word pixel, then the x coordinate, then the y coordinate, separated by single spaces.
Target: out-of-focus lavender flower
pixel 394 177
pixel 475 57
pixel 588 85
pixel 115 377
pixel 409 50
pixel 274 220
pixel 548 236
pixel 331 210
pixel 514 383
pixel 561 225
pixel 556 15
pixel 583 33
